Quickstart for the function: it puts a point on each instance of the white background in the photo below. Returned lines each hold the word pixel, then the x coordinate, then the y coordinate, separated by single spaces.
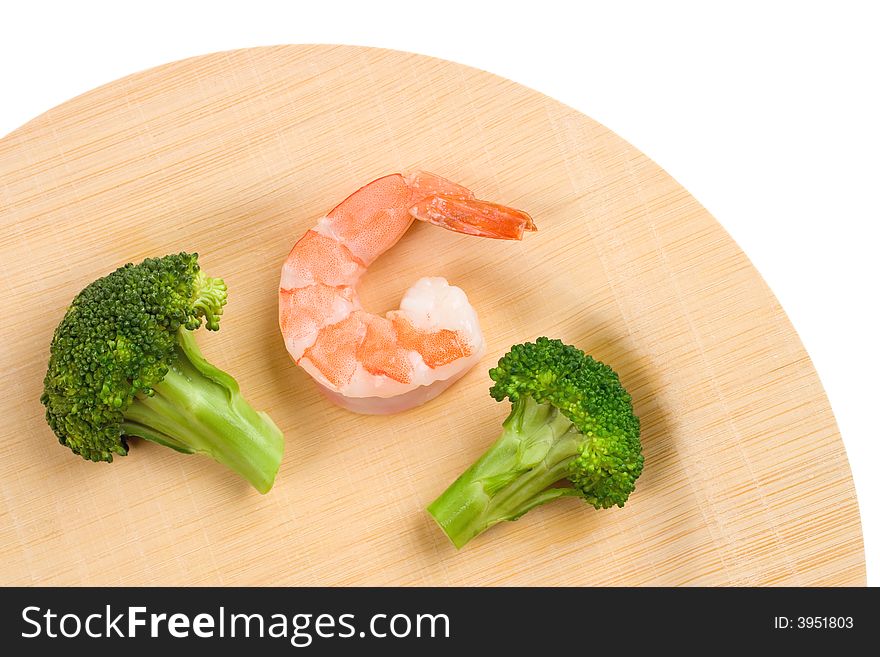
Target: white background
pixel 767 112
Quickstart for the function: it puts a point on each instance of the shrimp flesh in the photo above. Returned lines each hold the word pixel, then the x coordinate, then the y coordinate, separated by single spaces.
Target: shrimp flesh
pixel 365 362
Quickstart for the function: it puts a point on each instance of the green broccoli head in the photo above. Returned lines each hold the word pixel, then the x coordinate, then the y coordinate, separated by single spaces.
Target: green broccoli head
pixel 588 393
pixel 571 419
pixel 117 339
pixel 123 363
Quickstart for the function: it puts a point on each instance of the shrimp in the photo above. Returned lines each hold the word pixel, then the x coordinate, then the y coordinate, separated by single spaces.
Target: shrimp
pixel 362 361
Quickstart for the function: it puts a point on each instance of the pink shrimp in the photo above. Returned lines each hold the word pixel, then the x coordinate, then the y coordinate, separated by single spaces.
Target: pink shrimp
pixel 368 363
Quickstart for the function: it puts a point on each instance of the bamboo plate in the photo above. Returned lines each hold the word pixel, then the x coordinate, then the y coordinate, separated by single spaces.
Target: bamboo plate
pixel 234 155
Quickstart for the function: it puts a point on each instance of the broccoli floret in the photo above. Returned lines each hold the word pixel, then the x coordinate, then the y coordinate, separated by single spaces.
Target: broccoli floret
pixel 570 419
pixel 124 362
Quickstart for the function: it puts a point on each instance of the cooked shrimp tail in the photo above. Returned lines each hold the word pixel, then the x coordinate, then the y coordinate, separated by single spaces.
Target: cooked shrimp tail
pixel 451 206
pixel 473 217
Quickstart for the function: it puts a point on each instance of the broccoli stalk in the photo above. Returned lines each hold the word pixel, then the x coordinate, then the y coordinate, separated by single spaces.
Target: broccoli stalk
pixel 124 362
pixel 570 419
pixel 198 408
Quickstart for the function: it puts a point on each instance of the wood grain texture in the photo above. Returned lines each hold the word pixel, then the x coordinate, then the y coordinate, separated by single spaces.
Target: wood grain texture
pixel 234 155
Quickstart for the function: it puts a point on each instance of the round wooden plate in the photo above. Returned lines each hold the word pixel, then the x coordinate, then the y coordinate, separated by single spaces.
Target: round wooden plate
pixel 234 155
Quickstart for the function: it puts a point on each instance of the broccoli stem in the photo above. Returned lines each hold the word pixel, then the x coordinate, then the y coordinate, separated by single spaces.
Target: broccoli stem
pixel 516 474
pixel 198 408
